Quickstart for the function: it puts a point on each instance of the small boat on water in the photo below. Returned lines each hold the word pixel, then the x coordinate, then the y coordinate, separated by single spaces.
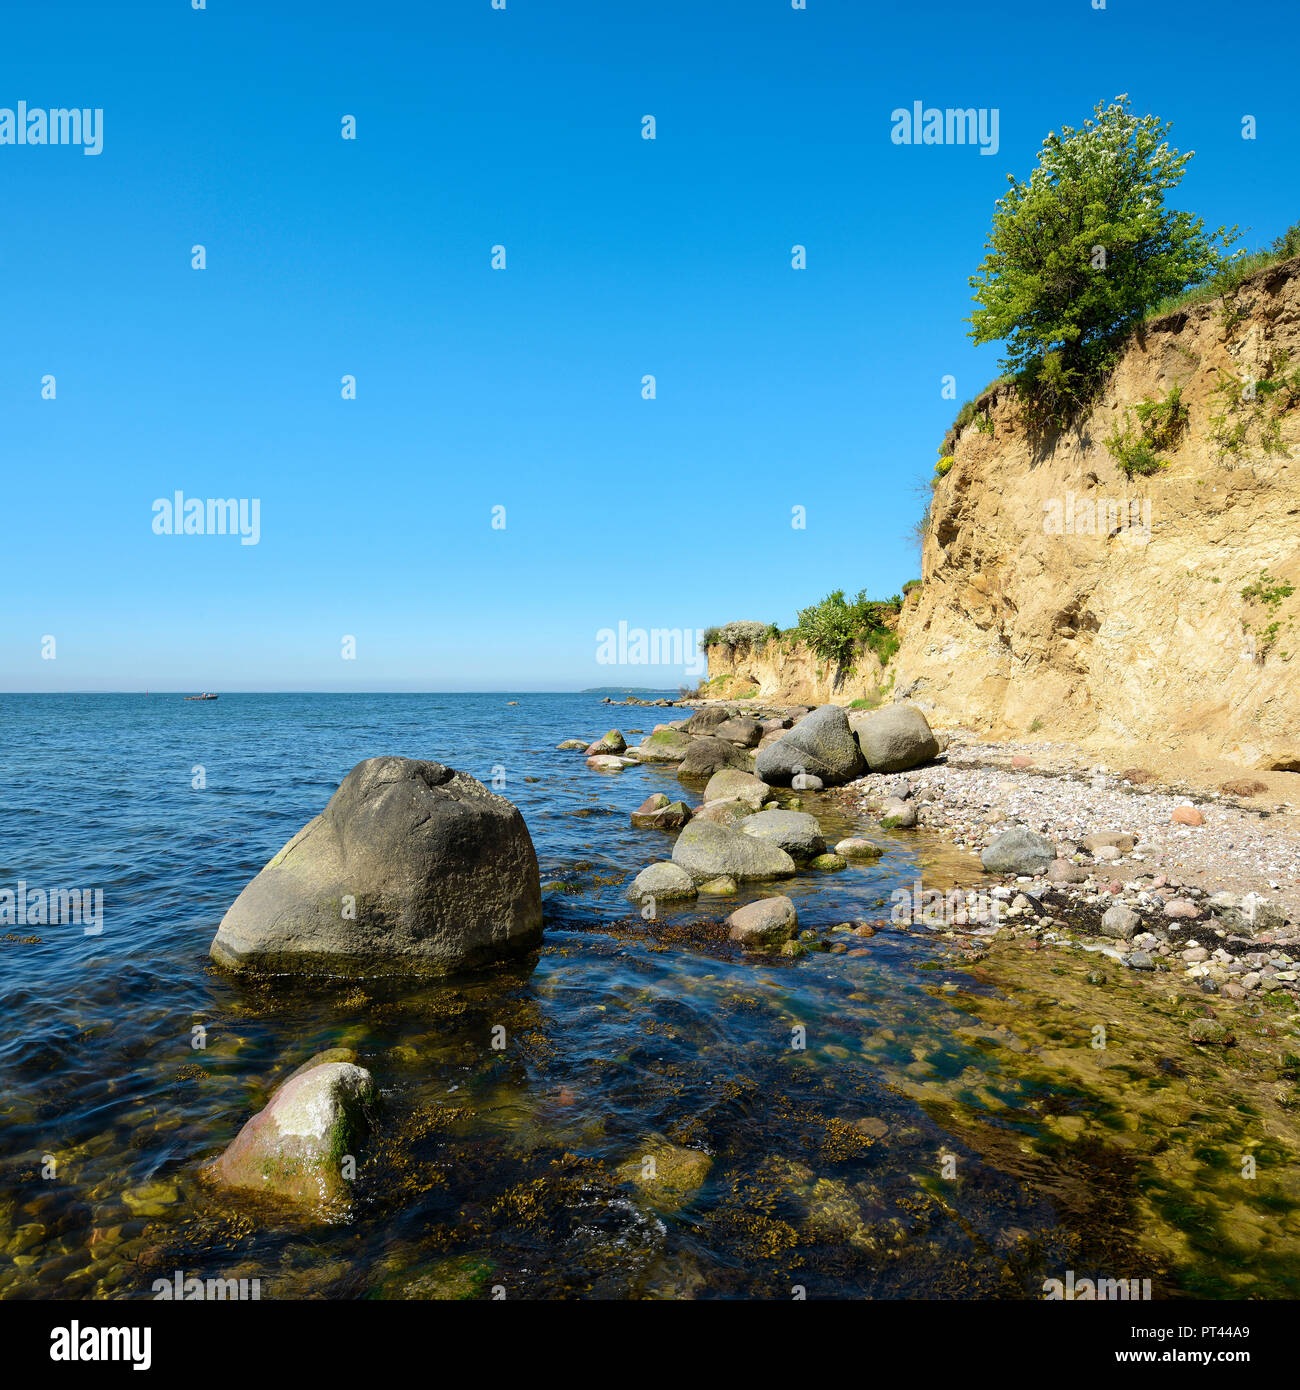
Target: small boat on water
pixel 204 696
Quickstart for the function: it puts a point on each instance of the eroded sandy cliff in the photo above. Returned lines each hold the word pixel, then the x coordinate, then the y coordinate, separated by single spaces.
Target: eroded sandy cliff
pixel 1030 618
pixel 1064 599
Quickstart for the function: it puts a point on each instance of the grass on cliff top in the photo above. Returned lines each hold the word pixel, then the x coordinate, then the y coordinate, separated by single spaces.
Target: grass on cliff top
pixel 1231 275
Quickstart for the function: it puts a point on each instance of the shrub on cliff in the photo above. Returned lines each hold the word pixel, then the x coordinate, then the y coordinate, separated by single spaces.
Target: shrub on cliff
pixel 835 628
pixel 1080 252
pixel 739 634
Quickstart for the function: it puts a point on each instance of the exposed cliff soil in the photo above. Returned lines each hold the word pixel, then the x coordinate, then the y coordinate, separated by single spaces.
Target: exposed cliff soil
pixel 1030 619
pixel 786 671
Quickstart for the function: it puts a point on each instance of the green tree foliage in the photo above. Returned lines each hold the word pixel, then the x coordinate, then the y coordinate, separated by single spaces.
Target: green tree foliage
pixel 835 627
pixel 1080 252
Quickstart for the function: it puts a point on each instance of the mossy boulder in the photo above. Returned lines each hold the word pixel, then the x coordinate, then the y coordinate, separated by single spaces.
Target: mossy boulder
pixel 663 746
pixel 611 742
pixel 709 755
pixel 295 1151
pixel 1210 1031
pixel 644 814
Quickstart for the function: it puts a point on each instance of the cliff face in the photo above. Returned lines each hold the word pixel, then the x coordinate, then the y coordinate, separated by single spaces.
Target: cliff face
pixel 788 673
pixel 1064 599
pixel 1033 615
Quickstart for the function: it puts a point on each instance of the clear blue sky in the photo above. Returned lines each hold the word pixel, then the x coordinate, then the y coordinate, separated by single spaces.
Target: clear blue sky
pixel 521 388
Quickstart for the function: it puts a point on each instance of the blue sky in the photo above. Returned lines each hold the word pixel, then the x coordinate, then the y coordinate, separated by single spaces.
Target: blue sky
pixel 521 388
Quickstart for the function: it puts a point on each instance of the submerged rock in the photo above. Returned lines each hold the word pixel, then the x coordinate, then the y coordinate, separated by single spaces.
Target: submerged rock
pixel 294 1150
pixel 707 850
pixel 665 1175
pixel 1210 1030
pixel 411 867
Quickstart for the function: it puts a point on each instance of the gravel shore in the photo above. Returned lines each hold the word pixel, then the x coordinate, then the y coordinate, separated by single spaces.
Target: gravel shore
pixel 1211 882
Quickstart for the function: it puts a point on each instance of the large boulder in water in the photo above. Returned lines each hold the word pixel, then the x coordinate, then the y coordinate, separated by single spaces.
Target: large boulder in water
pixel 663 746
pixel 411 867
pixel 821 744
pixel 895 738
pixel 661 881
pixel 707 850
pixel 731 782
pixel 709 755
pixel 293 1151
pixel 796 832
pixel 765 923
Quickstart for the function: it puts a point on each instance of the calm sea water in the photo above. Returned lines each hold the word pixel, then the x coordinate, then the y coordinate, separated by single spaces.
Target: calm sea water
pixel 497 1168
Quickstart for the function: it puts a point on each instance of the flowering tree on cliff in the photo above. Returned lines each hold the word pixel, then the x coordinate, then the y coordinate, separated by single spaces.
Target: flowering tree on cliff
pixel 1083 250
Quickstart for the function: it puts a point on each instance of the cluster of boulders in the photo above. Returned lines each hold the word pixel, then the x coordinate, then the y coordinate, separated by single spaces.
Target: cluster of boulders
pixel 794 747
pixel 750 825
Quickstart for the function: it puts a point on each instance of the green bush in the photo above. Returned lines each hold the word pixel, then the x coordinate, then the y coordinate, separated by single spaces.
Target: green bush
pixel 835 629
pixel 1267 590
pixel 1137 450
pixel 944 466
pixel 1080 252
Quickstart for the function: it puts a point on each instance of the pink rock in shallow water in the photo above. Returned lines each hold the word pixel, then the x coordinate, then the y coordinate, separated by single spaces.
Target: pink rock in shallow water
pixel 1021 761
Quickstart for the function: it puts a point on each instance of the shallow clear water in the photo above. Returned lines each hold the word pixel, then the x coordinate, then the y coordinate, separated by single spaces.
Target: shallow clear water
pixel 946 1129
